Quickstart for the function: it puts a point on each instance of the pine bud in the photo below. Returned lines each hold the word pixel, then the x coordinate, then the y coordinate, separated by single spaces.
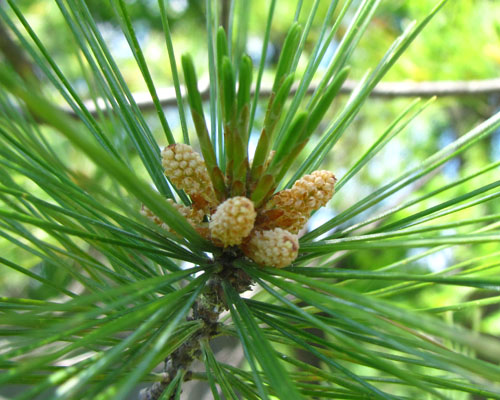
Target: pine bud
pixel 274 248
pixel 187 170
pixel 307 194
pixel 233 221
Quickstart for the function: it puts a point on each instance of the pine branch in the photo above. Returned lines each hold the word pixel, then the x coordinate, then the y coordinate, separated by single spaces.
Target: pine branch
pixel 208 309
pixel 386 90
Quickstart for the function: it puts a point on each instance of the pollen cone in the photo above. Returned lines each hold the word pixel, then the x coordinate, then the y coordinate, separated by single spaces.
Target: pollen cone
pixel 274 248
pixel 187 170
pixel 233 221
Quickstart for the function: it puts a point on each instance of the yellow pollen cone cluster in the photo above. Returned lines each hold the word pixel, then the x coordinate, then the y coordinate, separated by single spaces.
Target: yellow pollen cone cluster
pixel 267 235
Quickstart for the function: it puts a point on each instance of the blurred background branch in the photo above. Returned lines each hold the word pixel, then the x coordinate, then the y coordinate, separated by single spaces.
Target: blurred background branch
pixel 14 54
pixel 386 90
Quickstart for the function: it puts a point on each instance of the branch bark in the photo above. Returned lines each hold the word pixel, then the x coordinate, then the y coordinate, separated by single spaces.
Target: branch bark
pixel 207 308
pixel 385 90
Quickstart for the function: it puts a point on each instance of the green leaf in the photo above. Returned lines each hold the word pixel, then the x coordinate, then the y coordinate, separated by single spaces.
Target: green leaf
pixel 262 63
pixel 399 124
pixel 173 68
pixel 431 163
pixel 156 351
pixel 350 343
pixel 278 378
pixel 228 87
pixel 337 128
pixel 273 114
pixel 211 23
pixel 141 61
pixel 74 385
pixel 315 59
pixel 370 306
pixel 155 202
pixel 287 55
pixel 287 329
pixel 222 50
pixel 244 87
pixel 80 20
pixel 214 368
pixel 295 138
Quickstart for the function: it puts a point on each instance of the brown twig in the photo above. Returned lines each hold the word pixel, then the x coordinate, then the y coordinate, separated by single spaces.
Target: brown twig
pixel 224 13
pixel 386 90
